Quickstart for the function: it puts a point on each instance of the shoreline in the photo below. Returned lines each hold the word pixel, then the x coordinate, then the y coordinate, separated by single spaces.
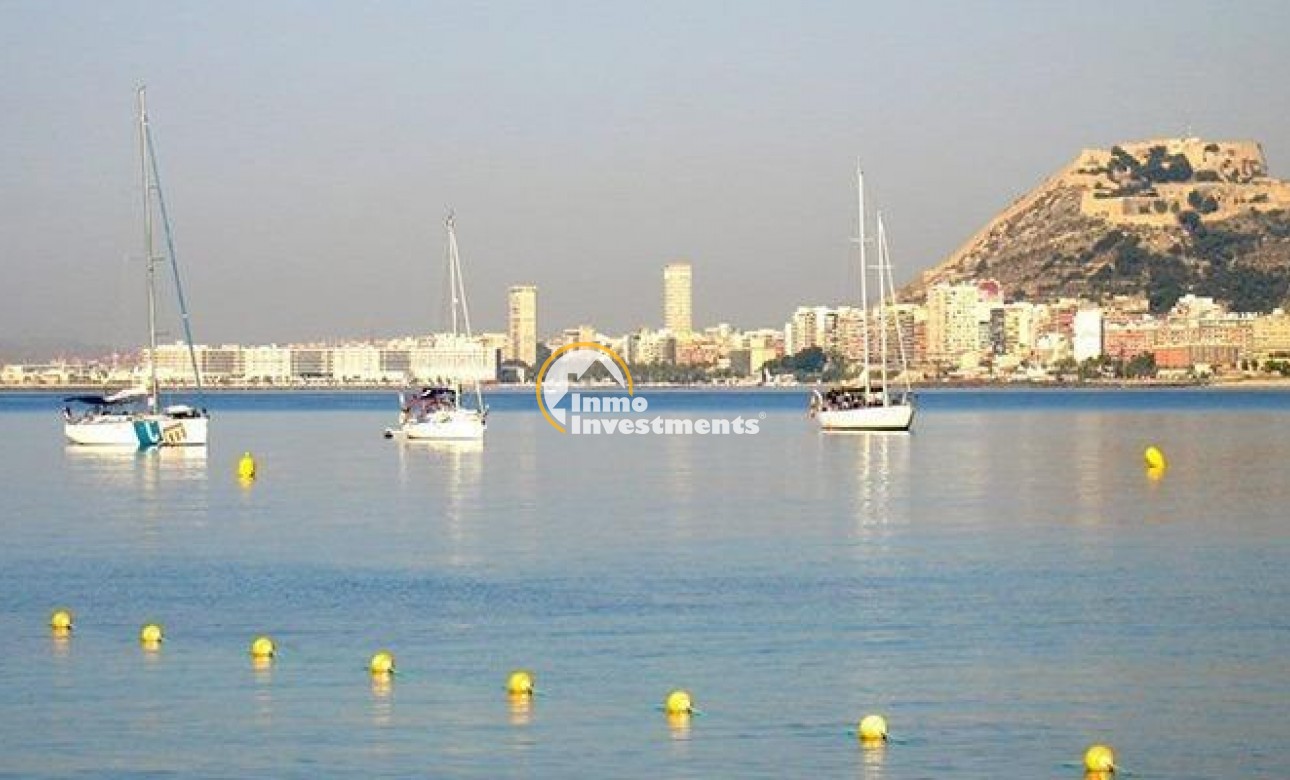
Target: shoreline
pixel 1253 383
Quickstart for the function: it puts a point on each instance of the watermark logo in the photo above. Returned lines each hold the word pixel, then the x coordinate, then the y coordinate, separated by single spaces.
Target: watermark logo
pixel 619 410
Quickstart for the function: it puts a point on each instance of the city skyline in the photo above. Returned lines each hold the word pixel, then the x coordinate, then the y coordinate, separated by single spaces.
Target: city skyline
pixel 309 153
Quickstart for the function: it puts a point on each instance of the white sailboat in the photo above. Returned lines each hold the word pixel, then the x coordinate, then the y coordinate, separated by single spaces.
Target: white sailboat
pixel 438 412
pixel 134 417
pixel 871 404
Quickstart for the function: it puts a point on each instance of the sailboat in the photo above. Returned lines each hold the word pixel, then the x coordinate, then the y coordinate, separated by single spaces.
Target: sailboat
pixel 135 417
pixel 871 404
pixel 439 412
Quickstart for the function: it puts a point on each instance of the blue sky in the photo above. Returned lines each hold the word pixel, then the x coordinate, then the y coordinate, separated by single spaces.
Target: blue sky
pixel 309 150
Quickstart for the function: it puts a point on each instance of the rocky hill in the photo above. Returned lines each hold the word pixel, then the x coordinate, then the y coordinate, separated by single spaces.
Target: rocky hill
pixel 1156 218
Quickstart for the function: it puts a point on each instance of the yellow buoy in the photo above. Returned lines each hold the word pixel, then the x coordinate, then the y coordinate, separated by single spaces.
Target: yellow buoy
pixel 1154 457
pixel 246 467
pixel 382 663
pixel 61 620
pixel 1099 758
pixel 263 647
pixel 678 703
pixel 520 683
pixel 150 634
pixel 872 728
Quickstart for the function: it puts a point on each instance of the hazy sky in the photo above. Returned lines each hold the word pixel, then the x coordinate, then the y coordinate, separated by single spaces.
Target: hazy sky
pixel 309 150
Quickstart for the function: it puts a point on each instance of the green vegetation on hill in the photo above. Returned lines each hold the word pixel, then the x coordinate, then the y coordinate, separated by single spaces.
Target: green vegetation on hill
pixel 1217 260
pixel 1159 168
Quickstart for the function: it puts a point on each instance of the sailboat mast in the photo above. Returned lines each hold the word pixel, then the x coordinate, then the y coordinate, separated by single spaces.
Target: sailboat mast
pixel 174 260
pixel 890 293
pixel 450 224
pixel 148 253
pixel 458 283
pixel 864 280
pixel 882 304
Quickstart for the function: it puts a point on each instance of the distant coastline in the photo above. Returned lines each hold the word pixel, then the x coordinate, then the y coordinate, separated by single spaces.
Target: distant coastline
pixel 1249 383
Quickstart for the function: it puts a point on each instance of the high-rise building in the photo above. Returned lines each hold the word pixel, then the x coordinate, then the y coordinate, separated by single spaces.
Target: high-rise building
pixel 952 323
pixel 678 316
pixel 522 314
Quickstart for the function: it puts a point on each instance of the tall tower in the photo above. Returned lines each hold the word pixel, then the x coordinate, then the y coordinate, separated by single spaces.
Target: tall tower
pixel 522 324
pixel 677 287
pixel 952 321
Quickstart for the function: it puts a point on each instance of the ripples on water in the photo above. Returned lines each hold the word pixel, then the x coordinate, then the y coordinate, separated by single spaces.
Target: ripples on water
pixel 1006 585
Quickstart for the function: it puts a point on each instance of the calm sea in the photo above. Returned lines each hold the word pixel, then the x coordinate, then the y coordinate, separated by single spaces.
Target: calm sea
pixel 1006 586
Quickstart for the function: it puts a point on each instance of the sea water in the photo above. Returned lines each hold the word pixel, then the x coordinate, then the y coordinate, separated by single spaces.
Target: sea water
pixel 1006 585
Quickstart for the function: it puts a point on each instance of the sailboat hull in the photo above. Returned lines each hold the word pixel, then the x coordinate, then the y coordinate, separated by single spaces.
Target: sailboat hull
pixel 140 431
pixel 453 425
pixel 897 417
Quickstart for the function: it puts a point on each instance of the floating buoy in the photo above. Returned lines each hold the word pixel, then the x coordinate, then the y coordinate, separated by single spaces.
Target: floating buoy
pixel 1099 758
pixel 872 728
pixel 61 620
pixel 263 647
pixel 382 663
pixel 246 467
pixel 150 634
pixel 678 703
pixel 520 683
pixel 1154 457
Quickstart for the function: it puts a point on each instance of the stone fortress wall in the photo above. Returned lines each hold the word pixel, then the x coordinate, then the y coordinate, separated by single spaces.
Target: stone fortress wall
pixel 1232 175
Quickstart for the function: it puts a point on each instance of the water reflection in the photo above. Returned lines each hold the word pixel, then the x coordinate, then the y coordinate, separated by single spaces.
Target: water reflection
pixel 678 476
pixel 461 460
pixel 145 471
pixel 873 754
pixel 521 708
pixel 451 472
pixel 1088 453
pixel 382 699
pixel 146 489
pixel 678 725
pixel 872 462
pixel 60 643
pixel 262 668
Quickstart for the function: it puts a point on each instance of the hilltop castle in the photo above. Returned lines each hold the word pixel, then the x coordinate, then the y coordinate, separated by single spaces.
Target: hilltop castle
pixel 1150 183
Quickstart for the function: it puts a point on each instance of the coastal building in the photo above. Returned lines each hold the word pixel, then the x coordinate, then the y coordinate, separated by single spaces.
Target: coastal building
pixel 678 314
pixel 521 307
pixel 805 329
pixel 311 363
pixel 269 364
pixel 574 335
pixel 1270 337
pixel 172 361
pixel 953 329
pixel 1019 320
pixel 1086 343
pixel 762 347
pixel 647 346
pixel 447 357
pixel 1126 340
pixel 356 363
